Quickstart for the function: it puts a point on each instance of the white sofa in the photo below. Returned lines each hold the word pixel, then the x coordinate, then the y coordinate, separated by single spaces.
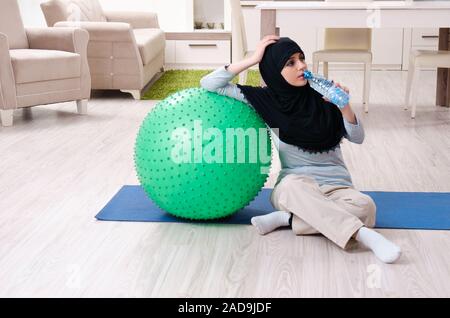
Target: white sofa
pixel 125 50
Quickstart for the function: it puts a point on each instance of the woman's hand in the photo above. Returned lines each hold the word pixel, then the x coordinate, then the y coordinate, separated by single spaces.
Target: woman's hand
pixel 343 87
pixel 345 90
pixel 261 47
pixel 239 66
pixel 346 111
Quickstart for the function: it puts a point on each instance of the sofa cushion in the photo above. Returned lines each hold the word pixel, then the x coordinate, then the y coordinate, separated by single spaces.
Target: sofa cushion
pixel 11 24
pixel 84 10
pixel 150 42
pixel 44 65
pixel 54 11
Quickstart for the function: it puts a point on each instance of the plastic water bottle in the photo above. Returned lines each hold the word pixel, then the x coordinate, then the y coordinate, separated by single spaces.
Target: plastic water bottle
pixel 328 89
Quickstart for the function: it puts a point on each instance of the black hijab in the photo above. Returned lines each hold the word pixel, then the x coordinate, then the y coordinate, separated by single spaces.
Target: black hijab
pixel 303 117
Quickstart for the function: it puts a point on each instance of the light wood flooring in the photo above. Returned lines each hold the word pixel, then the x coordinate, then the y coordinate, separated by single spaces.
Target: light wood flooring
pixel 58 169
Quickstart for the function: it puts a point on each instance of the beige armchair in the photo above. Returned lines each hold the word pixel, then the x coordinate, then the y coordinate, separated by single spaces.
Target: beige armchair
pixel 40 66
pixel 125 50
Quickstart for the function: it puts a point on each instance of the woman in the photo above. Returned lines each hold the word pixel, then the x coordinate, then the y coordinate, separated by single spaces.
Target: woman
pixel 314 192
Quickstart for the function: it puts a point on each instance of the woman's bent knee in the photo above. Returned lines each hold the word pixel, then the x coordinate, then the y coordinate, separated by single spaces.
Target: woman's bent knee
pixel 369 210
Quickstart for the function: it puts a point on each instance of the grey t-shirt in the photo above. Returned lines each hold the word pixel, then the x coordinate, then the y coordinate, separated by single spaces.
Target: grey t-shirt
pixel 325 168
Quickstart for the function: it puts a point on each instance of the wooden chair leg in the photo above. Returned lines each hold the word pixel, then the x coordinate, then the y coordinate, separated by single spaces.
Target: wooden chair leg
pixel 414 88
pixel 366 92
pixel 82 106
pixel 6 116
pixel 315 65
pixel 411 71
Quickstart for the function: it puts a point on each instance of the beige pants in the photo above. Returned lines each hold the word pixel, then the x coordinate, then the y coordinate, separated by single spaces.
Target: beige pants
pixel 337 212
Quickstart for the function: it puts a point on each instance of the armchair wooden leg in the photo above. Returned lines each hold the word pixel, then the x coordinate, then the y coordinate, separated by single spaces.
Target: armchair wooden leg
pixel 135 93
pixel 411 71
pixel 82 106
pixel 6 116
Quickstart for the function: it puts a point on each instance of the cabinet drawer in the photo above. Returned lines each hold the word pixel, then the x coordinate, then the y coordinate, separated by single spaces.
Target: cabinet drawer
pixel 425 37
pixel 202 51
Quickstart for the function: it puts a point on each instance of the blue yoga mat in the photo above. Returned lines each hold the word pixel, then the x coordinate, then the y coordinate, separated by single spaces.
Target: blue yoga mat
pixel 396 210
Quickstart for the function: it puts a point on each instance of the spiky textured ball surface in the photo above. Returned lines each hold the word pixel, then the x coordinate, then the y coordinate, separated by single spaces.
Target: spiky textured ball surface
pixel 189 165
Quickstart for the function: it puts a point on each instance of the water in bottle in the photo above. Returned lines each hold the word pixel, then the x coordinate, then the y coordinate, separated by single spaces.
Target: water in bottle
pixel 328 89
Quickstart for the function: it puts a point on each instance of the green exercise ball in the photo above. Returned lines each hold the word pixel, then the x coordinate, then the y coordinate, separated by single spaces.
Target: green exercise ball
pixel 201 156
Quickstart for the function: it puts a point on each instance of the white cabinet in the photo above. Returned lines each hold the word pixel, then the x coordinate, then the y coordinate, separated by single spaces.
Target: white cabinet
pixel 202 52
pixel 197 50
pixel 387 44
pixel 180 15
pixel 188 46
pixel 213 11
pixel 425 37
pixel 390 47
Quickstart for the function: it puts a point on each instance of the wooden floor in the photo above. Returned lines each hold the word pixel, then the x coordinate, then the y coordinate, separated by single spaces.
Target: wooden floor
pixel 58 169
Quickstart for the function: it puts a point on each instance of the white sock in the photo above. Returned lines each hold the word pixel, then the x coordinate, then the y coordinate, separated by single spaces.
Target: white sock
pixel 384 249
pixel 269 222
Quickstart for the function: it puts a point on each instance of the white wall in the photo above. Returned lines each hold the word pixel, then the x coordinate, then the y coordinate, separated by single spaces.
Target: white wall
pixel 31 13
pixel 128 5
pixel 173 15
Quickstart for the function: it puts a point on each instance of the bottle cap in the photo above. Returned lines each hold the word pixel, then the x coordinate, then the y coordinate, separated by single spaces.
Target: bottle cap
pixel 307 74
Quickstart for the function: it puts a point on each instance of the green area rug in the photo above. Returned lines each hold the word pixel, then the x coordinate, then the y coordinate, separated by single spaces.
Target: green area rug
pixel 175 80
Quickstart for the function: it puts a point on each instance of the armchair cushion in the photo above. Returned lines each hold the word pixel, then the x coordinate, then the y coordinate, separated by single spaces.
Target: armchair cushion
pixel 43 65
pixel 54 11
pixel 85 10
pixel 150 42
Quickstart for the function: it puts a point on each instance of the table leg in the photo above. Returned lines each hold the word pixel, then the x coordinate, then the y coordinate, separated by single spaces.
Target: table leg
pixel 443 74
pixel 268 27
pixel 268 22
